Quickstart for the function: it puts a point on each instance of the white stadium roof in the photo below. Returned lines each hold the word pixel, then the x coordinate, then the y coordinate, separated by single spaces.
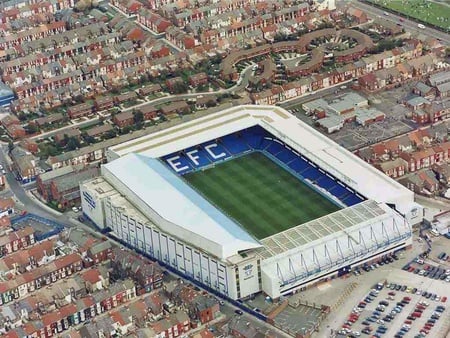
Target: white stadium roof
pixel 331 242
pixel 187 214
pixel 347 167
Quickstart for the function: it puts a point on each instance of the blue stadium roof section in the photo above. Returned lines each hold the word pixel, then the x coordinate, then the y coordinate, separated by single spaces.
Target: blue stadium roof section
pixel 188 214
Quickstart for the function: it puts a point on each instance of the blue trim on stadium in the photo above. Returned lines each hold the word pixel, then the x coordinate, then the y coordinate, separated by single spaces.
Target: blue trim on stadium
pixel 256 138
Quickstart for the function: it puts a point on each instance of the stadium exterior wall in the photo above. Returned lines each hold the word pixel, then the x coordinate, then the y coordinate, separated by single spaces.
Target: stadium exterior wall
pixel 232 279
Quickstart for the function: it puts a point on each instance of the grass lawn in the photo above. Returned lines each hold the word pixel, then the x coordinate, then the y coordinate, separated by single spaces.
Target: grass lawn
pixel 262 196
pixel 427 11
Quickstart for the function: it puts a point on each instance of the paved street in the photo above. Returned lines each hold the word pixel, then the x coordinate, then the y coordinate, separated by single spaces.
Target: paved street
pixel 22 196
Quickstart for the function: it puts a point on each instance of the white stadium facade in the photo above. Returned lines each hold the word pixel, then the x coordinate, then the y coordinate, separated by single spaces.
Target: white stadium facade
pixel 148 206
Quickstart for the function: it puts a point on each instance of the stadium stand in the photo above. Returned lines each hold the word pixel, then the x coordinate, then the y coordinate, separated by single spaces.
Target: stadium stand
pixel 235 144
pixel 258 139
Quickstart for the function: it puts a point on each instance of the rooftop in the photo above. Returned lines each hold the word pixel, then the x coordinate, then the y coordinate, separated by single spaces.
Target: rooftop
pixel 160 189
pixel 324 152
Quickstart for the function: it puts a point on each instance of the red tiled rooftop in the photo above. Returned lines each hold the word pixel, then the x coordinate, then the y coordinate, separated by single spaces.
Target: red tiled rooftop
pixel 67 260
pixel 92 276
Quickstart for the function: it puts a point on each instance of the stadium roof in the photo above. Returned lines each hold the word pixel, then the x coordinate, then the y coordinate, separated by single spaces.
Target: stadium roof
pixel 334 223
pixel 300 254
pixel 189 215
pixel 333 158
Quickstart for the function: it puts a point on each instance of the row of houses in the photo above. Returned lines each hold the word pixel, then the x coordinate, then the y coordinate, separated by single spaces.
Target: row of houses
pixel 410 69
pixel 82 61
pixel 420 148
pixel 16 240
pixel 31 310
pixel 14 10
pixel 89 293
pixel 364 43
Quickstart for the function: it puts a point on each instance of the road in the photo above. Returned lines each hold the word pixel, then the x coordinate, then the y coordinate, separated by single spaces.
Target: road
pixel 81 124
pixel 409 25
pixel 34 207
pixel 17 190
pixel 240 86
pixel 311 96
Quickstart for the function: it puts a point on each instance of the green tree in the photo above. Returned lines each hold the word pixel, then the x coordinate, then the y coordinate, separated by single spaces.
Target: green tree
pixel 72 143
pixel 31 129
pixel 138 117
pixel 10 146
pixel 179 88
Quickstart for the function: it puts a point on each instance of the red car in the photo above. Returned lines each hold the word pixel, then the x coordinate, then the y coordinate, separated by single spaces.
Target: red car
pixel 409 322
pixel 444 299
pixel 402 20
pixel 407 298
pixel 391 293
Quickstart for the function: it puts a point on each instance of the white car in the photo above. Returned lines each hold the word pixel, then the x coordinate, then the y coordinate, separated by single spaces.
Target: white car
pixel 74 209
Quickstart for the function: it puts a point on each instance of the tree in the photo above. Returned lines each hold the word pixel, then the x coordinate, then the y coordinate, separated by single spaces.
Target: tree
pixel 22 116
pixel 10 146
pixel 138 117
pixel 72 143
pixel 179 88
pixel 84 5
pixel 31 129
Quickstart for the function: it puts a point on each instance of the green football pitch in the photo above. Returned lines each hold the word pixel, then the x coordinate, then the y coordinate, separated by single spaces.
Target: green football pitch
pixel 261 196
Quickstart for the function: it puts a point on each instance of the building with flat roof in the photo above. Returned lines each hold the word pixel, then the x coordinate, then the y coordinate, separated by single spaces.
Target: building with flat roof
pixel 143 199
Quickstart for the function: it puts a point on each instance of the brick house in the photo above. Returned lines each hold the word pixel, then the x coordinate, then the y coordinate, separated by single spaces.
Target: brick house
pixel 63 135
pixel 29 145
pixel 16 131
pixel 48 120
pixel 65 190
pixel 419 159
pixel 6 206
pixel 199 79
pixel 103 103
pixel 148 111
pixel 395 168
pixel 100 252
pixel 423 182
pixel 200 307
pixel 79 110
pixel 124 119
pixel 149 90
pixel 10 120
pixel 174 325
pixel 177 107
pixel 44 180
pixel 24 165
pixel 125 97
pixel 172 82
pixel 147 274
pixel 357 15
pixel 16 240
pixel 99 130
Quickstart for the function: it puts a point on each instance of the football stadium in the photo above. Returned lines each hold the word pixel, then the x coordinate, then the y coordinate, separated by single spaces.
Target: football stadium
pixel 249 199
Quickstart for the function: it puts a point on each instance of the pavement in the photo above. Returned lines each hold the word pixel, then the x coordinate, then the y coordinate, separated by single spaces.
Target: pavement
pixel 77 125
